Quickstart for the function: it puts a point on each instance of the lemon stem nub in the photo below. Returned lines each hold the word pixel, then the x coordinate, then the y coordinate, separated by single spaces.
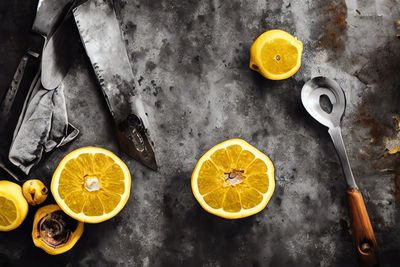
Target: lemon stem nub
pixel 92 183
pixel 278 57
pixel 254 66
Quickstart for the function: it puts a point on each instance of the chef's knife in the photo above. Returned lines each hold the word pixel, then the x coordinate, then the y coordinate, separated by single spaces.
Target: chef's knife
pixel 102 38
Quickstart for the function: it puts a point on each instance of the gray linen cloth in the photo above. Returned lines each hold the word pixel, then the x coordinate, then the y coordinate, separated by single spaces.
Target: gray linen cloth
pixel 43 123
pixel 43 126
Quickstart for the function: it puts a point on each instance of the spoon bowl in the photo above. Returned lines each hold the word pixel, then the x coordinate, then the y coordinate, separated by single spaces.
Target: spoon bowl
pixel 311 95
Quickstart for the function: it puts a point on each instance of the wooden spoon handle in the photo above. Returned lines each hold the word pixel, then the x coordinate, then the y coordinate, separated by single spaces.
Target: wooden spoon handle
pixel 363 234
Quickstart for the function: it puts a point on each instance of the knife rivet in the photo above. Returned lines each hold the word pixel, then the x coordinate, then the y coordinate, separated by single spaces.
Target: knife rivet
pixel 365 247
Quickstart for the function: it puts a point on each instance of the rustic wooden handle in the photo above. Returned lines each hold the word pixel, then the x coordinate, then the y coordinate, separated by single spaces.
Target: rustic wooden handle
pixel 363 234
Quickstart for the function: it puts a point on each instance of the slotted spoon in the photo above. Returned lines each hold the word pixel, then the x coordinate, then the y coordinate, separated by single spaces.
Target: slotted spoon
pixel 311 94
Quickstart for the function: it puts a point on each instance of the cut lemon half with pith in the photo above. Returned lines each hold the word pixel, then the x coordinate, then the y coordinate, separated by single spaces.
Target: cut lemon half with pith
pixel 276 55
pixel 13 206
pixel 91 184
pixel 233 180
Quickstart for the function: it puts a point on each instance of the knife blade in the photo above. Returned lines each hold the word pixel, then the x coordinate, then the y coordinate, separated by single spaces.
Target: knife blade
pixel 20 89
pixel 9 98
pixel 13 102
pixel 102 39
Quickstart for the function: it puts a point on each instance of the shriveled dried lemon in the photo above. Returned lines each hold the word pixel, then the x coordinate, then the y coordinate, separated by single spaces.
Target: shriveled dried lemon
pixel 13 206
pixel 54 231
pixel 35 192
pixel 276 55
pixel 91 184
pixel 233 180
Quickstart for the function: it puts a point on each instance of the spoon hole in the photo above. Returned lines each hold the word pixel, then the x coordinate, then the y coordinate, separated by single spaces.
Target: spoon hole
pixel 325 104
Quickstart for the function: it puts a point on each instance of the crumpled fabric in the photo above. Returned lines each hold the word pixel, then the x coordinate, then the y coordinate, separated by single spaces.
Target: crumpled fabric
pixel 43 127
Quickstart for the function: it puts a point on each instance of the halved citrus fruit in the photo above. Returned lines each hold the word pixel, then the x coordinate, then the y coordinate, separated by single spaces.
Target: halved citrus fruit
pixel 13 206
pixel 276 55
pixel 233 180
pixel 91 184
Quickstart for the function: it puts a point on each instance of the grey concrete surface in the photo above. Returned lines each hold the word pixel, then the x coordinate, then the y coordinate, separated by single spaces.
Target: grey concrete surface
pixel 190 59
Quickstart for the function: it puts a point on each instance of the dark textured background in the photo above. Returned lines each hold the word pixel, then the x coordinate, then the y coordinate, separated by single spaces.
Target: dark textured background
pixel 190 59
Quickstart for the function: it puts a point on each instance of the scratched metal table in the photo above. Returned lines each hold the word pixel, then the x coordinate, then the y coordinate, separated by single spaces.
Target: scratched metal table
pixel 190 59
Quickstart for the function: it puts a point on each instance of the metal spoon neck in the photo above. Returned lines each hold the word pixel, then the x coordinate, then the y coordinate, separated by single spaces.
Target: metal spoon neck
pixel 336 135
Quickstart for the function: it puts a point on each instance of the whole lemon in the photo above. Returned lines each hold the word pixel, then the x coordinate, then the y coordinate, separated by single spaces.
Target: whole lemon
pixel 276 55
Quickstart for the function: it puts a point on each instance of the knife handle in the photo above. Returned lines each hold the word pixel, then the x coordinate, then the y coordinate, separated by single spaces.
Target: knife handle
pixel 363 234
